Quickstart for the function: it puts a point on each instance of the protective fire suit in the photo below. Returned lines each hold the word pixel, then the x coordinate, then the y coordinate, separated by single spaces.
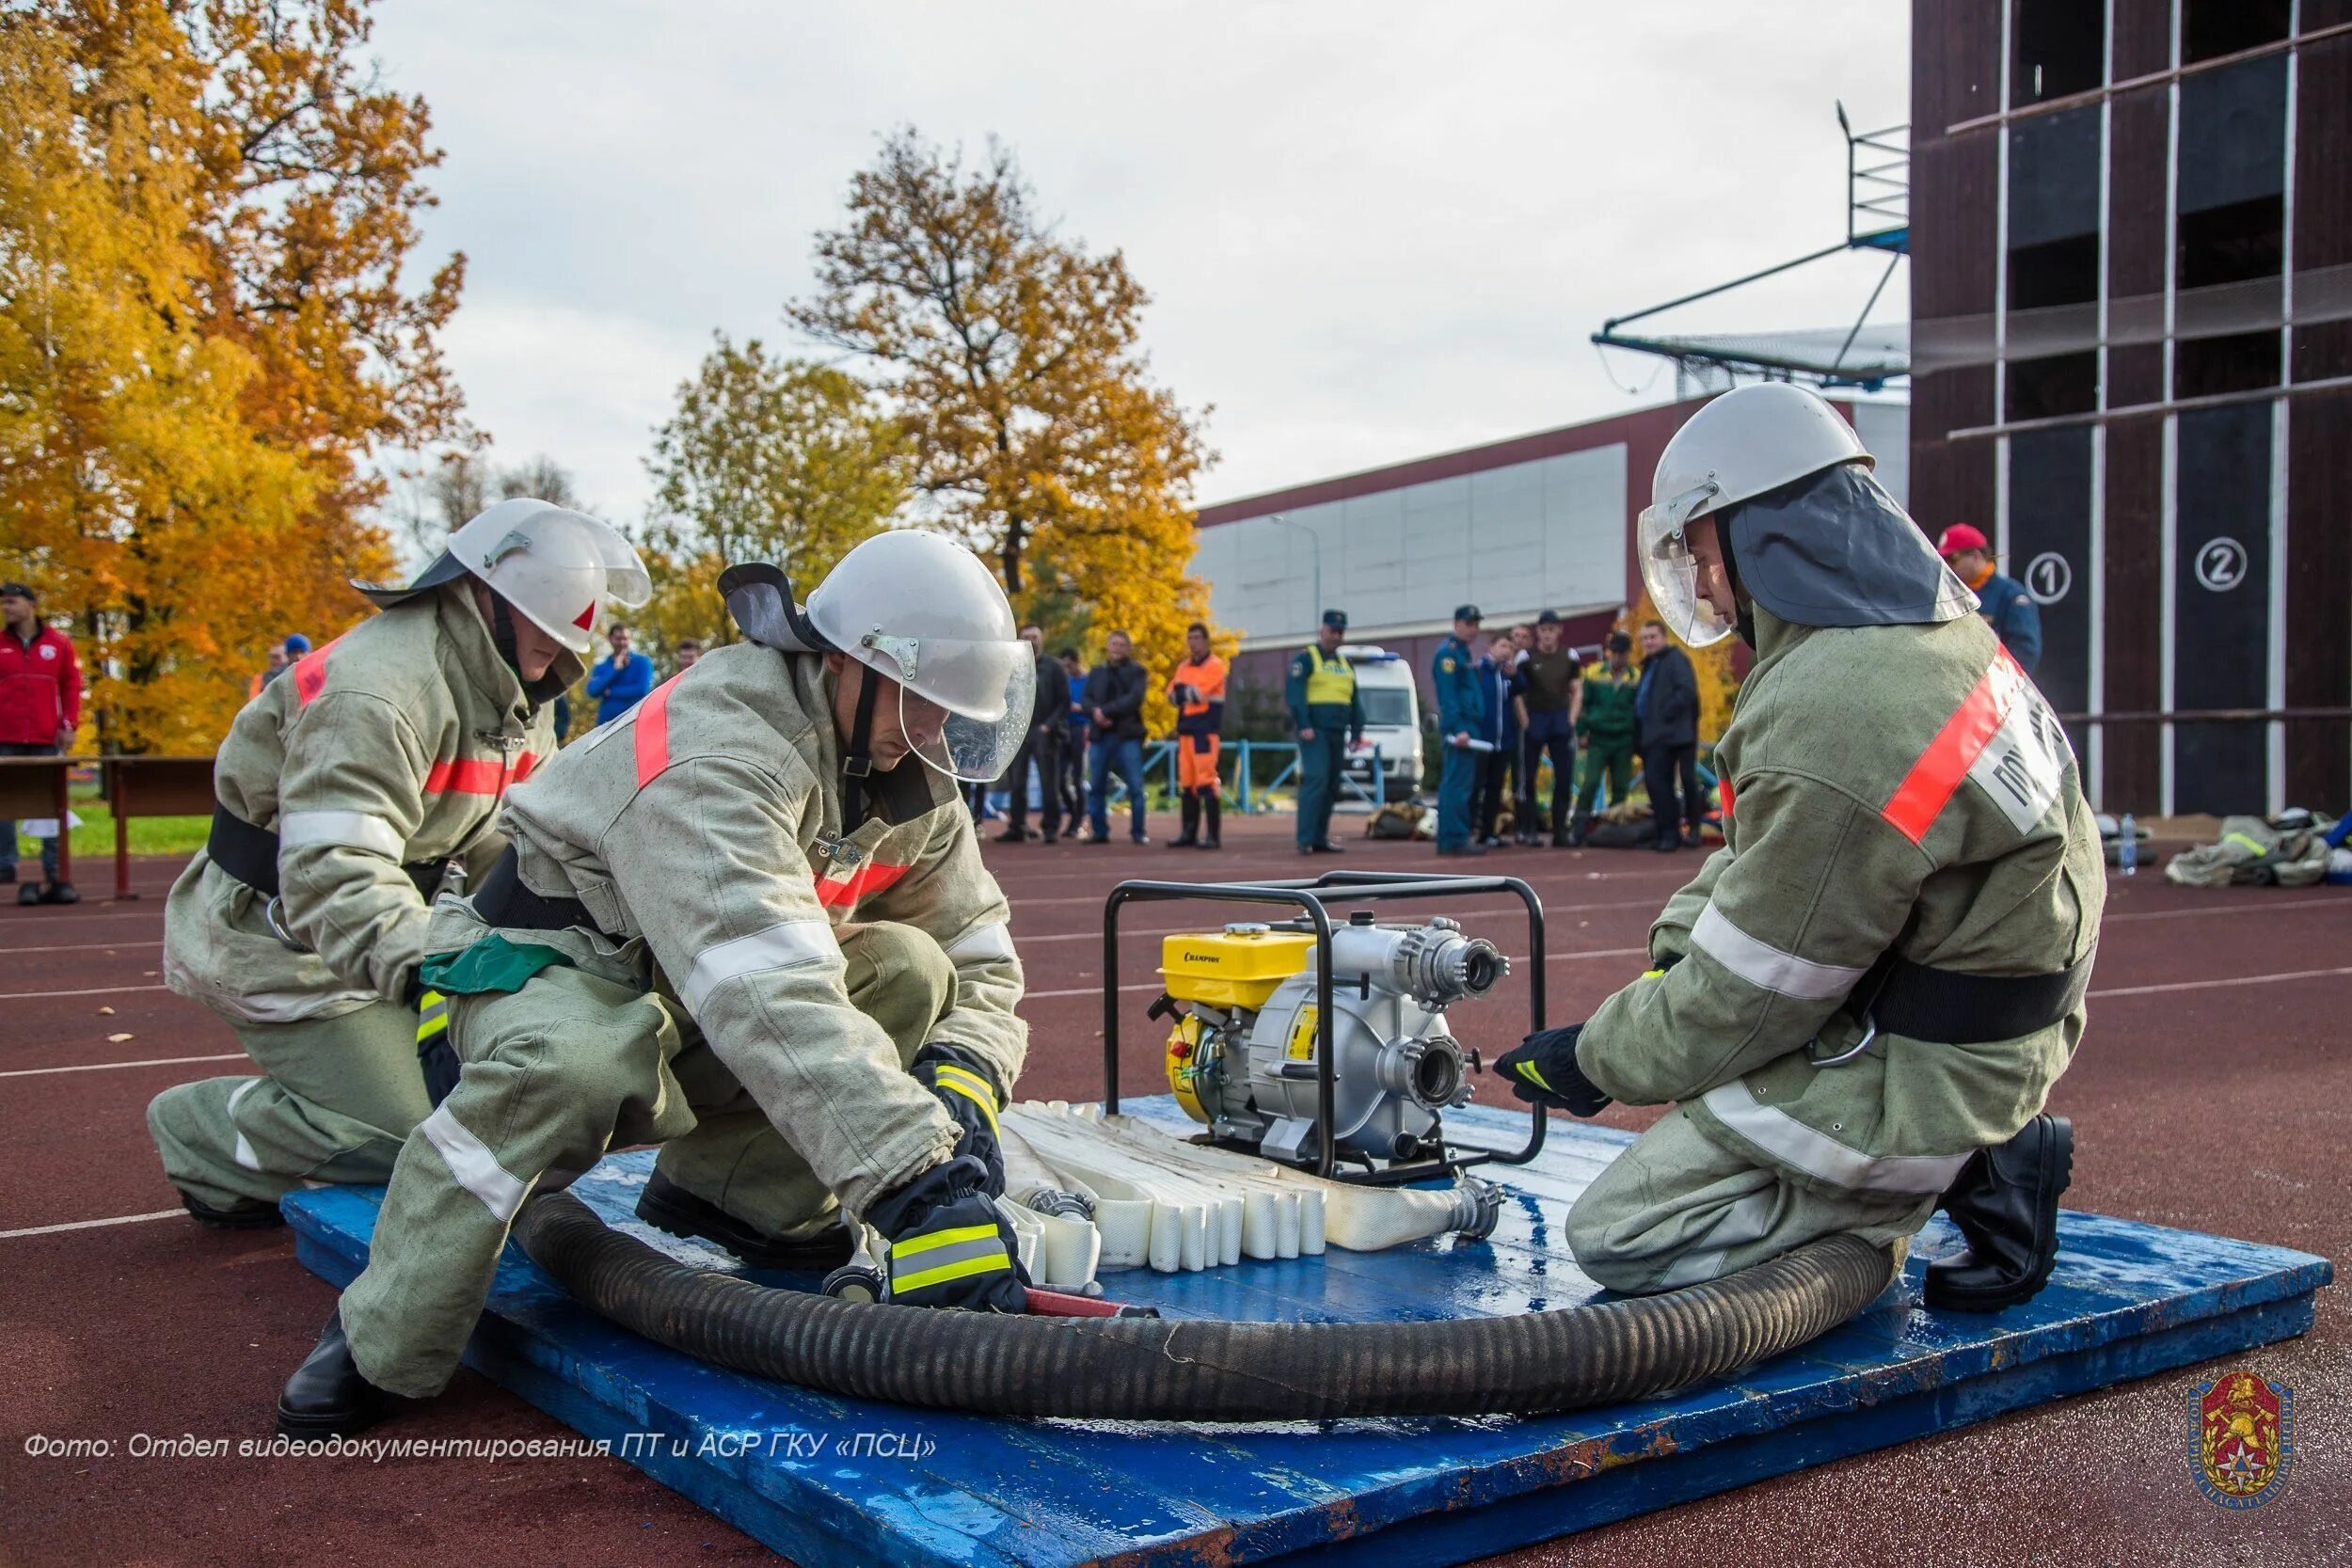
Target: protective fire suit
pixel 755 965
pixel 382 758
pixel 1888 789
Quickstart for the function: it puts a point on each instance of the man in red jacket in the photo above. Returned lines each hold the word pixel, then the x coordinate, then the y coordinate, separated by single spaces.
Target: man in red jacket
pixel 40 707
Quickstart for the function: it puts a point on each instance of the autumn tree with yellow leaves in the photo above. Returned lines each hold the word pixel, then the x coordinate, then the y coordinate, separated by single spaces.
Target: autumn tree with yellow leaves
pixel 1011 358
pixel 206 208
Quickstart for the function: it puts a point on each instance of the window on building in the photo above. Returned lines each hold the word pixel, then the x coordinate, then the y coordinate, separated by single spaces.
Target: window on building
pixel 2228 273
pixel 2059 47
pixel 2054 302
pixel 2212 28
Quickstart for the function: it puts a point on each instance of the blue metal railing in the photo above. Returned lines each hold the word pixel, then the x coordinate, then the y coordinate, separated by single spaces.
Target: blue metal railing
pixel 1243 789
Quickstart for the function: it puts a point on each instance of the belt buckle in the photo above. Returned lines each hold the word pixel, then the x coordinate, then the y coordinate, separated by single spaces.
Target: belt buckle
pixel 1869 1032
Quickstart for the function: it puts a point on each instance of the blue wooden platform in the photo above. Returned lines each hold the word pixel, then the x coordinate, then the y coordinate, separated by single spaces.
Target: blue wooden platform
pixel 838 1482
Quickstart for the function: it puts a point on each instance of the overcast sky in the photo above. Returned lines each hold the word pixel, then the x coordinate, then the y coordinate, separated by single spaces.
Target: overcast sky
pixel 1370 230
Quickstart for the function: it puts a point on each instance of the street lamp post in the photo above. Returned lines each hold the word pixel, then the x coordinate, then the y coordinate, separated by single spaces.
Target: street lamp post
pixel 1316 611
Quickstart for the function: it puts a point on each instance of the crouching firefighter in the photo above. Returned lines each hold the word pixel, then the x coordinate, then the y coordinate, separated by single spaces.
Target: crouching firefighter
pixel 348 793
pixel 749 922
pixel 1860 1004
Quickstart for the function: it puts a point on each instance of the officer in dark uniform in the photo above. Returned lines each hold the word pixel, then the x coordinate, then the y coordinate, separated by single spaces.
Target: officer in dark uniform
pixel 1330 717
pixel 1461 718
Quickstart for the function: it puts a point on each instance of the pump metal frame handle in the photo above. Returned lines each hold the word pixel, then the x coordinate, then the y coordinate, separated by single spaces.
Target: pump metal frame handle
pixel 1308 896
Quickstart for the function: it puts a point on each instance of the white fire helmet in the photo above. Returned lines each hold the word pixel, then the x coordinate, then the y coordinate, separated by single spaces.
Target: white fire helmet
pixel 1751 440
pixel 552 564
pixel 927 612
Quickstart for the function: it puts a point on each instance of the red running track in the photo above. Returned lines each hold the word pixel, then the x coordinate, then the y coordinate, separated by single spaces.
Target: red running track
pixel 2205 1095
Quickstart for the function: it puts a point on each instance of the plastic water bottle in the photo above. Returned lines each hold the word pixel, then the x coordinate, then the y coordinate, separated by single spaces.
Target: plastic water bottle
pixel 2127 846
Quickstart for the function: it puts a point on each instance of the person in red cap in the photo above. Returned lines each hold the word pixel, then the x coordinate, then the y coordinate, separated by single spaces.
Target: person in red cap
pixel 2003 601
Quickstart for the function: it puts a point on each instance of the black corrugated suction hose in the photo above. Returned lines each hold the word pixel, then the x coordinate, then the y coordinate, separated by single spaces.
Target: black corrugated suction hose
pixel 1174 1370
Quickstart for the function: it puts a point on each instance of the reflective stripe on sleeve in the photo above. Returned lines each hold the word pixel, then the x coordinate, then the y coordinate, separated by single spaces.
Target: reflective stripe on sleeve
pixel 244 1155
pixel 471 1163
pixel 1815 1153
pixel 982 944
pixel 973 1088
pixel 354 830
pixel 786 945
pixel 652 730
pixel 1759 964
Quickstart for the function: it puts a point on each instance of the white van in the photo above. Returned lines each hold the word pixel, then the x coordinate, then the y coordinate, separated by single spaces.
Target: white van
pixel 1392 698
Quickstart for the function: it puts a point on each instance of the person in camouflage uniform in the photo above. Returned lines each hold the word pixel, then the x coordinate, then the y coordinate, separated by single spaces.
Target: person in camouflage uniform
pixel 744 921
pixel 1859 1006
pixel 348 792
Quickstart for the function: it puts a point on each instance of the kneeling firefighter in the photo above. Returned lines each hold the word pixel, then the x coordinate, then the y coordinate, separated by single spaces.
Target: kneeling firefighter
pixel 748 921
pixel 1861 1001
pixel 347 793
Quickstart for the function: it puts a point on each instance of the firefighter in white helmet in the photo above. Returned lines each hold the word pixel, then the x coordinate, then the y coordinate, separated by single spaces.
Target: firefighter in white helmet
pixel 748 921
pixel 1861 1003
pixel 347 793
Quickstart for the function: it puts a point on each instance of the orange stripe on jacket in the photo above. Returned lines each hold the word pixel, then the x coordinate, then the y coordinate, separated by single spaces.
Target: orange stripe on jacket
pixel 1930 786
pixel 477 775
pixel 653 733
pixel 873 877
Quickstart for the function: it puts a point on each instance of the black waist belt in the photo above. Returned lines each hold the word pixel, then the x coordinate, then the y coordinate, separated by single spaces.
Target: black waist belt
pixel 1925 1004
pixel 503 900
pixel 250 855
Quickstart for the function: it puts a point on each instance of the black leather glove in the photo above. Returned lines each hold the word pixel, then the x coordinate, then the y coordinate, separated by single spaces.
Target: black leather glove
pixel 948 1245
pixel 1542 1070
pixel 436 1057
pixel 968 1089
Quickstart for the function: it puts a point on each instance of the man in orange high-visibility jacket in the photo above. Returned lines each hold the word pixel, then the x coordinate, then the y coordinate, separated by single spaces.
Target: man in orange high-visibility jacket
pixel 1197 690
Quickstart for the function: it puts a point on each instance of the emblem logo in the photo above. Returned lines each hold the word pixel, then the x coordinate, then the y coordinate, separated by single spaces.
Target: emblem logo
pixel 2221 564
pixel 2241 1439
pixel 2049 578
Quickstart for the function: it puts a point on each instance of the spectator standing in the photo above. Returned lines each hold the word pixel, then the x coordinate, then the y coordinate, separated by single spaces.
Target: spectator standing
pixel 688 652
pixel 1197 690
pixel 1461 719
pixel 2002 600
pixel 1607 728
pixel 1667 706
pixel 620 680
pixel 1553 697
pixel 279 659
pixel 40 707
pixel 1048 713
pixel 1327 715
pixel 1496 683
pixel 1076 728
pixel 1114 702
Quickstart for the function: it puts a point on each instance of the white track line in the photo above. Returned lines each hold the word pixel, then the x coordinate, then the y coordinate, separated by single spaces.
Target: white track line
pixel 2238 907
pixel 87 946
pixel 95 990
pixel 91 1225
pixel 109 1066
pixel 2232 980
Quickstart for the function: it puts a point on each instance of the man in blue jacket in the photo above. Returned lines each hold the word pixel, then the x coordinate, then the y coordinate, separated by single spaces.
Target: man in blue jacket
pixel 2001 600
pixel 1461 720
pixel 1498 684
pixel 620 682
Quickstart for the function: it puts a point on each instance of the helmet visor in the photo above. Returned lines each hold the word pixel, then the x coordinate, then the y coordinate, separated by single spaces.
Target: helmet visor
pixel 1671 572
pixel 964 706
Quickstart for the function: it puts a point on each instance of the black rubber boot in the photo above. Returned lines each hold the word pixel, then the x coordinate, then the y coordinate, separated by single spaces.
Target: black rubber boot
pixel 326 1397
pixel 1191 835
pixel 60 893
pixel 666 1206
pixel 2005 1203
pixel 1213 805
pixel 246 1214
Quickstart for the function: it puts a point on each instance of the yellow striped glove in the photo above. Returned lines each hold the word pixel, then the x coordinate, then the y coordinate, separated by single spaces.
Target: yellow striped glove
pixel 436 1057
pixel 948 1245
pixel 966 1087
